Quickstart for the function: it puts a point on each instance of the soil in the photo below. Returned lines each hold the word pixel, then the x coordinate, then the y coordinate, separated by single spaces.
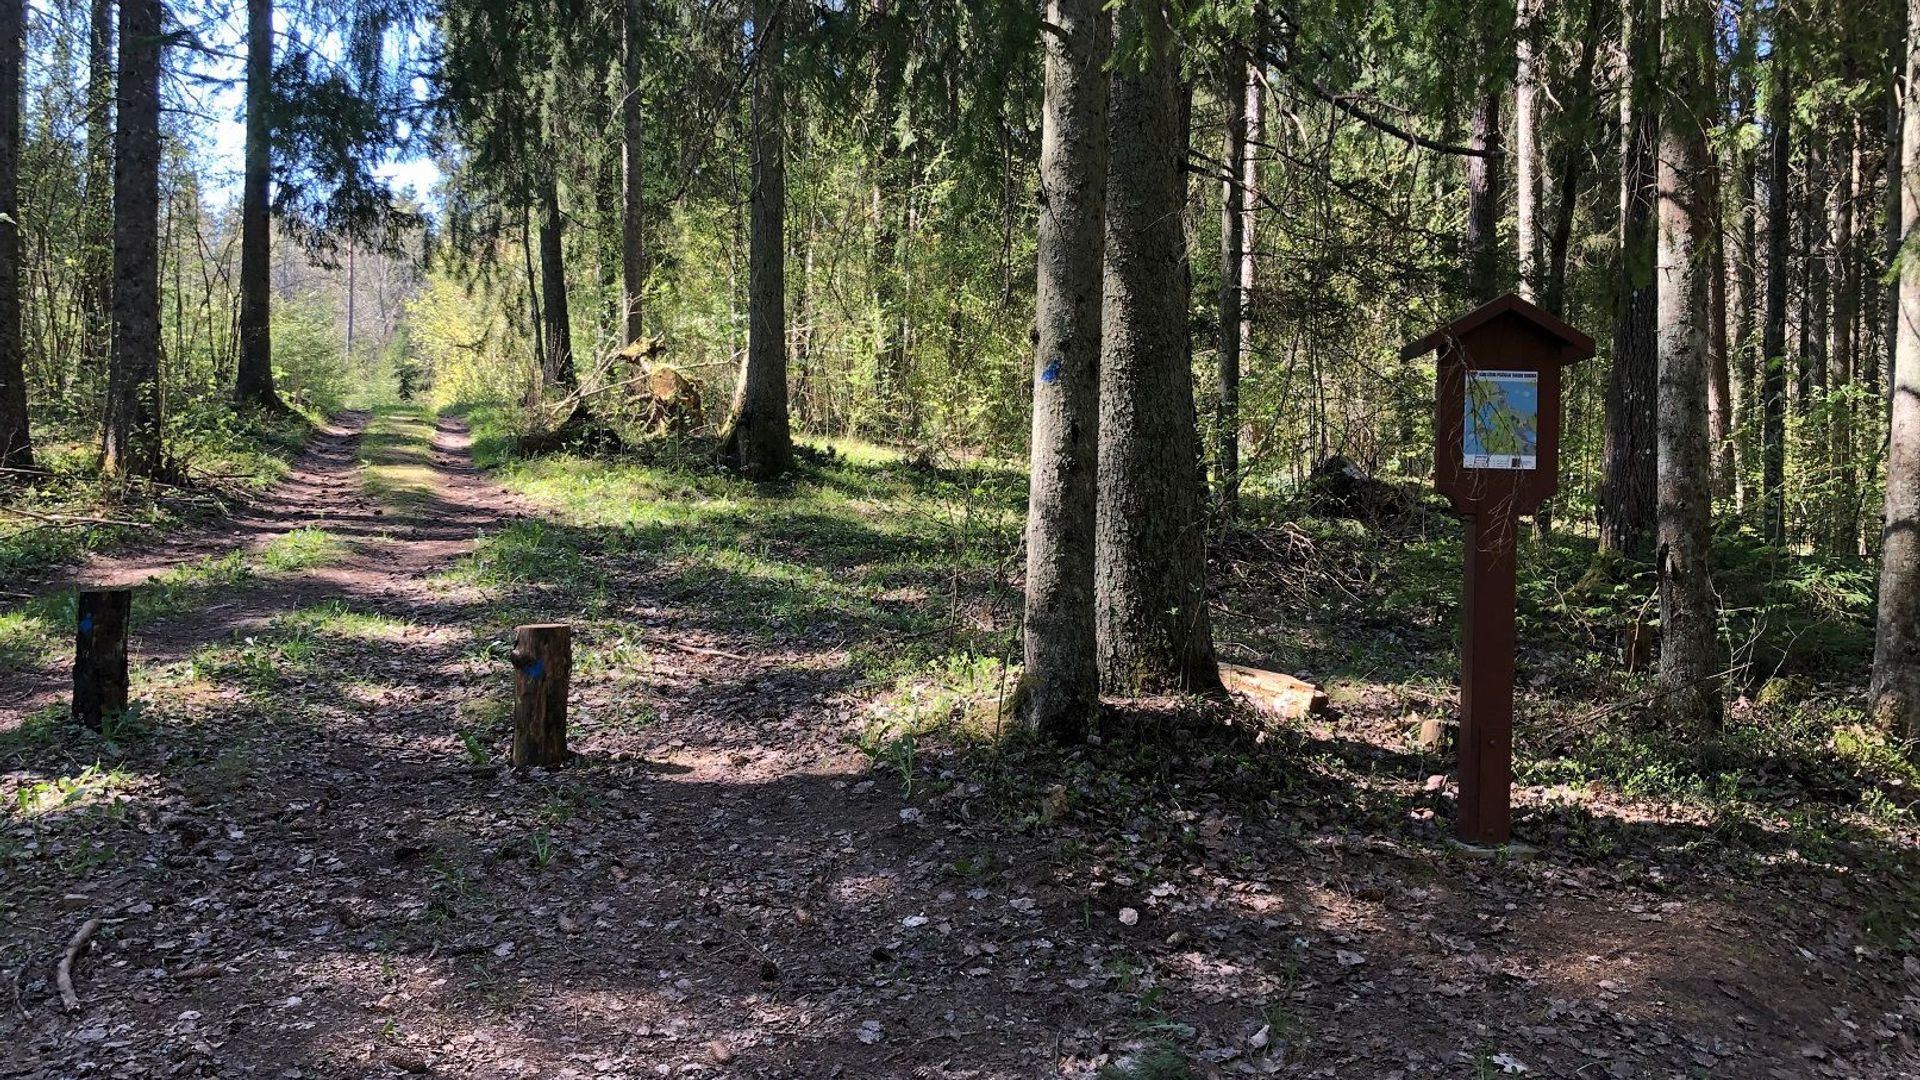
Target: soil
pixel 326 880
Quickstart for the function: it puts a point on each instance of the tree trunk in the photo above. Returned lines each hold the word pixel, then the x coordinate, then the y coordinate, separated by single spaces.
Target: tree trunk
pixel 1245 106
pixel 557 364
pixel 1896 654
pixel 1773 334
pixel 253 384
pixel 1628 454
pixel 1891 232
pixel 758 441
pixel 1150 576
pixel 1569 160
pixel 1841 536
pixel 16 441
pixel 1745 283
pixel 96 265
pixel 132 444
pixel 1061 687
pixel 633 235
pixel 1689 619
pixel 1483 195
pixel 1528 181
pixel 1719 377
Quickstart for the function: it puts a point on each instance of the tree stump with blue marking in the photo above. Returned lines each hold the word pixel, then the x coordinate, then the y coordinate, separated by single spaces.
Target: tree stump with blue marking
pixel 542 665
pixel 100 655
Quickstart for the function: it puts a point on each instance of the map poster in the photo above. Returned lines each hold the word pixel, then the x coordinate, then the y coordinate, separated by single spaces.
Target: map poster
pixel 1502 420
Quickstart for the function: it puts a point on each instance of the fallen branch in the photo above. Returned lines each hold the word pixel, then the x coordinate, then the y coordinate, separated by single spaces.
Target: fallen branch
pixel 697 650
pixel 57 521
pixel 63 975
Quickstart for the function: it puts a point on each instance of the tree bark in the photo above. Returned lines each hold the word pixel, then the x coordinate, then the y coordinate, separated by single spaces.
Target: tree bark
pixel 1483 195
pixel 1773 333
pixel 16 440
pixel 1896 653
pixel 253 383
pixel 557 322
pixel 1719 372
pixel 1245 112
pixel 1842 535
pixel 1628 454
pixel 1150 576
pixel 97 218
pixel 1061 686
pixel 132 443
pixel 1568 171
pixel 1689 618
pixel 758 442
pixel 1528 178
pixel 633 219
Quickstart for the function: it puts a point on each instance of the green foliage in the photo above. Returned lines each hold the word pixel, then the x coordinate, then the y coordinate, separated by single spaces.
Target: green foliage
pixel 309 368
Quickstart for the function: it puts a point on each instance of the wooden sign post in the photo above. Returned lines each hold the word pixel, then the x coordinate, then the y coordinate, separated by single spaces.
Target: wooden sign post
pixel 542 667
pixel 100 655
pixel 1496 427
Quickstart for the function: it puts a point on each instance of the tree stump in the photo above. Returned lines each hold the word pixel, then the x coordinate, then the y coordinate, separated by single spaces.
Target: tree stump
pixel 100 655
pixel 542 663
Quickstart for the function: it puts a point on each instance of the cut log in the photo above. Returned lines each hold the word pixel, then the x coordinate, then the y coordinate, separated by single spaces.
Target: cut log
pixel 100 655
pixel 542 665
pixel 1272 692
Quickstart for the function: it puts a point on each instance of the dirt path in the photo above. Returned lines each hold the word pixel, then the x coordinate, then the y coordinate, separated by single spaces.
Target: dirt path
pixel 309 863
pixel 384 553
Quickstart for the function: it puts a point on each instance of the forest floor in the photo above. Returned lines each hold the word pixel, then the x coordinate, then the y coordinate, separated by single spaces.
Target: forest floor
pixel 793 844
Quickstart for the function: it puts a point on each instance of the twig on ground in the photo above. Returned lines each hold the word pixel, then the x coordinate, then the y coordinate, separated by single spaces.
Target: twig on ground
pixel 63 975
pixel 60 521
pixel 697 650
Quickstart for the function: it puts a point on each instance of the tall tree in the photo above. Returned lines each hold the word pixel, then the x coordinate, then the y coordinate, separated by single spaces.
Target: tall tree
pixel 132 442
pixel 1528 157
pixel 1483 192
pixel 1628 455
pixel 253 382
pixel 1689 617
pixel 1062 679
pixel 1773 333
pixel 1841 534
pixel 16 442
pixel 1150 576
pixel 633 218
pixel 1246 111
pixel 97 230
pixel 1896 653
pixel 556 365
pixel 758 440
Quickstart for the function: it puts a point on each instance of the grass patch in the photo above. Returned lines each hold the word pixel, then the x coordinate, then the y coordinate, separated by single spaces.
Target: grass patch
pixel 302 549
pixel 216 451
pixel 396 458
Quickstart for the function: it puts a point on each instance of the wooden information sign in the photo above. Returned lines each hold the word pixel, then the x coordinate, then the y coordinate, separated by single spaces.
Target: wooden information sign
pixel 1496 457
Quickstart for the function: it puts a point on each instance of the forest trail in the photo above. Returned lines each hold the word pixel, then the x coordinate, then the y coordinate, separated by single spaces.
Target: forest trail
pixel 318 534
pixel 310 862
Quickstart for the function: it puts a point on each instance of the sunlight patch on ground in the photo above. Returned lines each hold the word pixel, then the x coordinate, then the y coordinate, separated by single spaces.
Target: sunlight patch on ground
pixel 301 549
pixel 396 459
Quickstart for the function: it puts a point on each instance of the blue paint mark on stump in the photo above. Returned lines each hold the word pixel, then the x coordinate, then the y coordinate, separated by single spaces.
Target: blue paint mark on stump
pixel 86 623
pixel 535 670
pixel 1052 372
